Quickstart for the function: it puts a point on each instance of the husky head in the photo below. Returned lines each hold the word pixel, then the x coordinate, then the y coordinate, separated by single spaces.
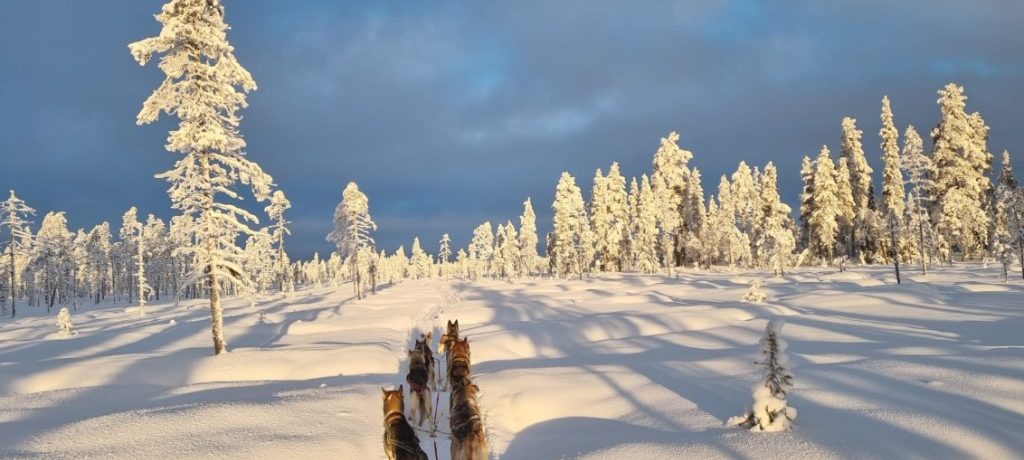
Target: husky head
pixel 394 400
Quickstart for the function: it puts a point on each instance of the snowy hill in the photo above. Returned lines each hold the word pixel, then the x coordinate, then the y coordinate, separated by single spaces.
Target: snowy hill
pixel 611 367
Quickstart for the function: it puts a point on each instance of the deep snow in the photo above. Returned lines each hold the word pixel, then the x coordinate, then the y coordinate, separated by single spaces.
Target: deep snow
pixel 615 366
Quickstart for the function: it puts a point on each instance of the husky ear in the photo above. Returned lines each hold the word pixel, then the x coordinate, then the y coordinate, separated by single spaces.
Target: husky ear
pixel 410 352
pixel 401 389
pixel 382 390
pixel 456 323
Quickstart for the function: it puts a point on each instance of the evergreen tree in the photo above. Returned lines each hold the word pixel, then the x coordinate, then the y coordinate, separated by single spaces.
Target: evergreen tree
pixel 13 212
pixel 669 183
pixel 960 183
pixel 824 219
pixel 645 228
pixel 528 239
pixel 353 232
pixel 846 209
pixel 776 242
pixel 573 240
pixel 892 173
pixel 205 87
pixel 481 251
pixel 444 249
pixel 50 258
pixel 806 200
pixel 278 230
pixel 1009 218
pixel 609 219
pixel 918 167
pixel 770 411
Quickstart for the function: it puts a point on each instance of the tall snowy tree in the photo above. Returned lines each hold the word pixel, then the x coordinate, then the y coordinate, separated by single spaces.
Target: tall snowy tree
pixel 50 257
pixel 806 200
pixel 860 238
pixel 278 231
pixel 1009 208
pixel 609 217
pixel 669 183
pixel 506 249
pixel 846 214
pixel 444 249
pixel 775 243
pixel 13 215
pixel 481 251
pixel 892 174
pixel 573 245
pixel 528 239
pixel 824 222
pixel 645 228
pixel 205 87
pixel 353 232
pixel 960 182
pixel 918 167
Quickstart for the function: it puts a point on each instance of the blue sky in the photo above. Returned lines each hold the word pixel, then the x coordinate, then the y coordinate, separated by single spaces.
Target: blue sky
pixel 449 113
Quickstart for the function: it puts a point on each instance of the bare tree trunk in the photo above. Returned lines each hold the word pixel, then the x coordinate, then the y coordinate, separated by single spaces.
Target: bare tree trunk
pixel 895 248
pixel 14 285
pixel 216 315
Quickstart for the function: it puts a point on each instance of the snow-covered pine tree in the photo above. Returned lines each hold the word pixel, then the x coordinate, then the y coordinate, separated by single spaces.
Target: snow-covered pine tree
pixel 205 87
pixel 98 261
pixel 745 199
pixel 861 240
pixel 507 255
pixel 609 217
pixel 806 201
pixel 64 327
pixel 669 183
pixel 776 242
pixel 847 210
pixel 50 257
pixel 353 231
pixel 481 251
pixel 918 167
pixel 278 231
pixel 1009 218
pixel 824 221
pixel 600 220
pixel 645 229
pixel 960 182
pixel 694 214
pixel 422 263
pixel 770 413
pixel 892 172
pixel 528 239
pixel 573 240
pixel 13 215
pixel 736 243
pixel 444 249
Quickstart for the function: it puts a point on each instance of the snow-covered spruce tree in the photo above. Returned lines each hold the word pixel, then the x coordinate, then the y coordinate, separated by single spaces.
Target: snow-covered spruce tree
pixel 736 244
pixel 50 258
pixel 960 182
pixel 892 171
pixel 421 261
pixel 278 231
pixel 693 214
pixel 770 412
pixel 444 250
pixel 669 182
pixel 205 87
pixel 98 263
pixel 860 239
pixel 13 214
pixel 806 201
pixel 259 262
pixel 528 239
pixel 918 167
pixel 775 242
pixel 1009 218
pixel 645 229
pixel 64 326
pixel 754 293
pixel 846 210
pixel 353 231
pixel 608 214
pixel 824 224
pixel 506 250
pixel 134 246
pixel 573 240
pixel 481 251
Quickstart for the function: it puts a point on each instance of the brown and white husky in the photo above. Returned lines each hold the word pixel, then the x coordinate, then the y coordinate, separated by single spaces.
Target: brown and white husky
pixel 419 387
pixel 459 370
pixel 467 427
pixel 423 344
pixel 400 441
pixel 449 337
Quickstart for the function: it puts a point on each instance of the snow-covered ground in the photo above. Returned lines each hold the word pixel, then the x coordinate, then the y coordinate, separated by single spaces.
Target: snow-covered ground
pixel 612 367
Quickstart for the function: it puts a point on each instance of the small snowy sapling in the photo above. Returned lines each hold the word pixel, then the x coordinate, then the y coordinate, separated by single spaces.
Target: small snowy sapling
pixel 64 327
pixel 770 412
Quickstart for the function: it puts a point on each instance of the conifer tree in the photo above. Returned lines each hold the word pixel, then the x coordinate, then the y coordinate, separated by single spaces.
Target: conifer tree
pixel 806 200
pixel 278 231
pixel 892 174
pixel 770 412
pixel 481 251
pixel 573 240
pixel 1009 208
pixel 444 249
pixel 645 228
pixel 960 183
pixel 528 239
pixel 205 87
pixel 13 212
pixel 846 209
pixel 918 167
pixel 776 242
pixel 824 218
pixel 353 232
pixel 669 183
